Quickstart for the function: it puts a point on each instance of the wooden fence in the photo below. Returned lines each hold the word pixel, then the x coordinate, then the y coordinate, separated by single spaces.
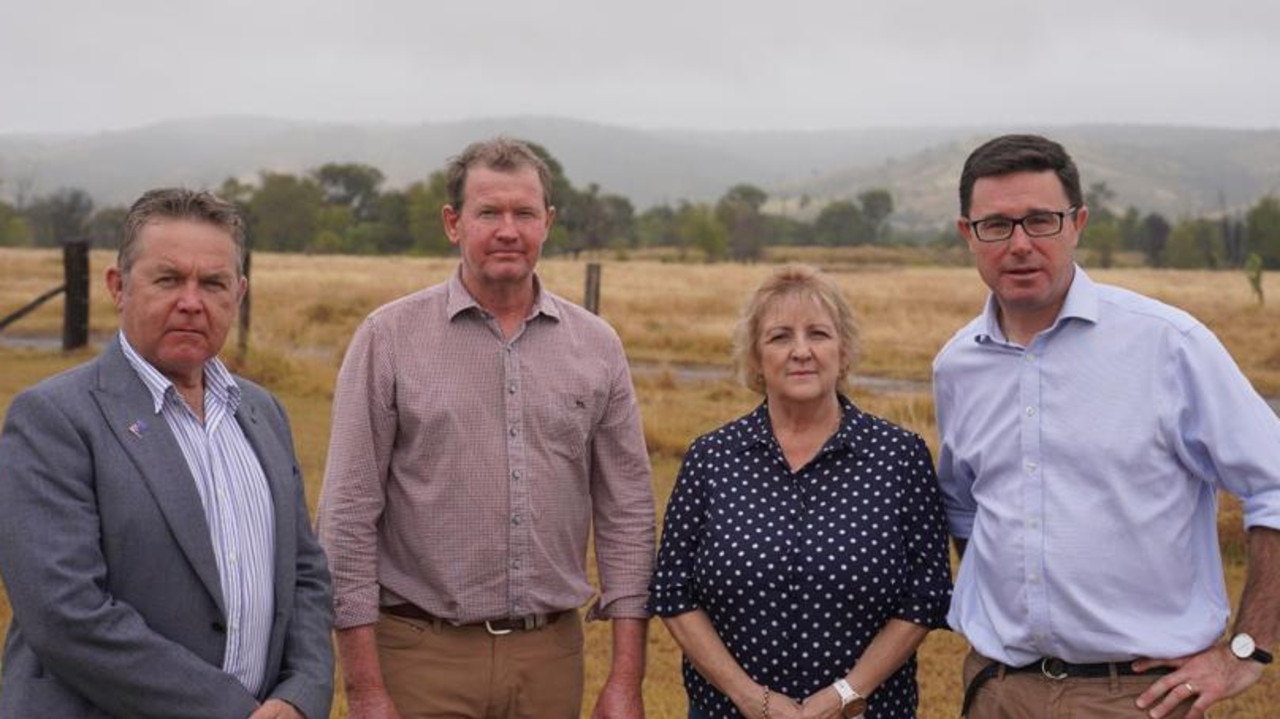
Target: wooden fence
pixel 75 285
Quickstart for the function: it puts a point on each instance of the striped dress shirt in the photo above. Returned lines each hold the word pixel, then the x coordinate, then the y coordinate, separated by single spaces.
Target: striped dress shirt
pixel 237 508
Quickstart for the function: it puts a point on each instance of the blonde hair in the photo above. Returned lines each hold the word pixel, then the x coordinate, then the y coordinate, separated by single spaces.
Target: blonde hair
pixel 792 281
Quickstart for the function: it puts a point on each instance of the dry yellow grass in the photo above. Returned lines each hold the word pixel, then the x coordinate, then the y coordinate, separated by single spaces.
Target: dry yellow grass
pixel 667 314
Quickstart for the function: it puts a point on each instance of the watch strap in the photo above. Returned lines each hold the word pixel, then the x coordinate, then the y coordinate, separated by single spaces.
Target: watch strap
pixel 846 692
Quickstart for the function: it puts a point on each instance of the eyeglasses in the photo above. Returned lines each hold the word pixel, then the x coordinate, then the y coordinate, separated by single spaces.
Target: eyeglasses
pixel 1037 224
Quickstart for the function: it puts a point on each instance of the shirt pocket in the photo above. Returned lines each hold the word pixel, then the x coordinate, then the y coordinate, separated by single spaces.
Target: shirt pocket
pixel 564 422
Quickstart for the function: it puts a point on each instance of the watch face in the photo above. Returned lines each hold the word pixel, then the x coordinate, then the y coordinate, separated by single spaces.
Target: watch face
pixel 1243 646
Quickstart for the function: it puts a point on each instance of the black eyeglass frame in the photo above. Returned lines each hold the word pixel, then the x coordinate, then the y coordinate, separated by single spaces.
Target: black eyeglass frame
pixel 1014 222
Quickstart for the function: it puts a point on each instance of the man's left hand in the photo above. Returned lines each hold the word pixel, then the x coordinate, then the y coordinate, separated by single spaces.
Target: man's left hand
pixel 620 699
pixel 276 709
pixel 1205 678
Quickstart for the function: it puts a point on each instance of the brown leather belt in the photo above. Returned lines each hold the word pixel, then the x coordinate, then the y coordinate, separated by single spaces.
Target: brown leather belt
pixel 496 627
pixel 1054 669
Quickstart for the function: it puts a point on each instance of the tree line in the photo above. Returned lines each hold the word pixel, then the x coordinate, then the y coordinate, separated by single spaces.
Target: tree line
pixel 345 208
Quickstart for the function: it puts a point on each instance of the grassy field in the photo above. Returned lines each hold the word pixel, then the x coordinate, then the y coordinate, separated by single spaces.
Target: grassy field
pixel 670 316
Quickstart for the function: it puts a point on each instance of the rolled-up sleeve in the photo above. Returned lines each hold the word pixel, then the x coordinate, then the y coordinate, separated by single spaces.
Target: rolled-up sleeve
pixel 622 502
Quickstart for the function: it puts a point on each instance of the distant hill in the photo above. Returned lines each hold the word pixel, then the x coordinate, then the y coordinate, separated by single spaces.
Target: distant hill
pixel 1177 171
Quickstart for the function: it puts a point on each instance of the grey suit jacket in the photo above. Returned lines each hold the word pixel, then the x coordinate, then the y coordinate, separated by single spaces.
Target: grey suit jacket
pixel 106 556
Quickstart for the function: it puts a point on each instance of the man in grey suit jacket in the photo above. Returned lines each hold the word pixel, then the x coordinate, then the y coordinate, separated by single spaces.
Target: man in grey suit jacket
pixel 154 537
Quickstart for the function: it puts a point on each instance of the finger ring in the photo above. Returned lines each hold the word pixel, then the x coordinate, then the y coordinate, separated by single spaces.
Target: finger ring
pixel 1190 689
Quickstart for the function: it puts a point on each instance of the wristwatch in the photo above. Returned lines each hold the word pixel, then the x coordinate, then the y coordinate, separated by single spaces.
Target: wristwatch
pixel 852 703
pixel 1244 647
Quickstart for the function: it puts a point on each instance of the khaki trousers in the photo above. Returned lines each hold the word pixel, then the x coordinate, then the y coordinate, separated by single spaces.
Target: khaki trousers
pixel 1031 695
pixel 434 670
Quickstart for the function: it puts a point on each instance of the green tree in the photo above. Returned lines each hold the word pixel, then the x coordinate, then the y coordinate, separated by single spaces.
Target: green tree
pixel 105 225
pixel 1195 243
pixel 1155 235
pixel 1099 198
pixel 1253 273
pixel 285 211
pixel 877 206
pixel 1103 240
pixel 601 220
pixel 788 230
pixel 563 195
pixel 389 228
pixel 1262 230
pixel 1132 232
pixel 702 229
pixel 60 216
pixel 656 227
pixel 14 230
pixel 233 190
pixel 424 202
pixel 350 184
pixel 840 224
pixel 334 231
pixel 738 210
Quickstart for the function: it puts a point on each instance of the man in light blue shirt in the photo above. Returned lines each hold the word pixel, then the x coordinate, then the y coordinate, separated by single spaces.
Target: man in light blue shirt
pixel 1085 432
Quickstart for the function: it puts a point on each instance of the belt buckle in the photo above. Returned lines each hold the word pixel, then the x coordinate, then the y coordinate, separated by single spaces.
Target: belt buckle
pixel 488 627
pixel 1053 668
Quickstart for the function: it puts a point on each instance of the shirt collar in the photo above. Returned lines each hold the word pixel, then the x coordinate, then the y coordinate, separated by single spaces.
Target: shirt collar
pixel 219 385
pixel 460 299
pixel 757 429
pixel 1081 303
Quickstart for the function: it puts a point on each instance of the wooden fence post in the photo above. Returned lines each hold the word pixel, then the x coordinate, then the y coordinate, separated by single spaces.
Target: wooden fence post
pixel 591 298
pixel 75 312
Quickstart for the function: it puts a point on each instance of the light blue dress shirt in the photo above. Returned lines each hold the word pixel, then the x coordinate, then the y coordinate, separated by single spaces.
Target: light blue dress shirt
pixel 237 506
pixel 1083 470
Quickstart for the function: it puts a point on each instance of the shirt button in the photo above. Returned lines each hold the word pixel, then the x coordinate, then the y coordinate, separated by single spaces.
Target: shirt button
pixel 1034 578
pixel 1028 357
pixel 1031 467
pixel 512 431
pixel 515 474
pixel 511 388
pixel 515 519
pixel 1031 411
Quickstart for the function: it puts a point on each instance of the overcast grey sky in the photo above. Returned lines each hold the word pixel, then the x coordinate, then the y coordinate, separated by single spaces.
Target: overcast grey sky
pixel 89 65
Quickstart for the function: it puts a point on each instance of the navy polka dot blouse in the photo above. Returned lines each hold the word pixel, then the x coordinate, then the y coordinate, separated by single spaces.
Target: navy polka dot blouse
pixel 799 571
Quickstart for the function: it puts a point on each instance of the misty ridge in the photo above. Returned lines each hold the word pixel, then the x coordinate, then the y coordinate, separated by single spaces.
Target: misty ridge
pixel 1176 171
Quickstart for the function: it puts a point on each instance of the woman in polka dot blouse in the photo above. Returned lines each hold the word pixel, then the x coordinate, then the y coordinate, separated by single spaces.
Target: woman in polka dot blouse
pixel 804 554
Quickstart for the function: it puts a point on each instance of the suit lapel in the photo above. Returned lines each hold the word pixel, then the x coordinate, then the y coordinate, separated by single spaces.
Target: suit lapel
pixel 130 414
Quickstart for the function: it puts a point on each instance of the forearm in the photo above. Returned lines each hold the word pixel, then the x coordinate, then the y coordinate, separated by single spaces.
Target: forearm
pixel 358 652
pixel 888 651
pixel 1259 612
pixel 708 654
pixel 630 638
